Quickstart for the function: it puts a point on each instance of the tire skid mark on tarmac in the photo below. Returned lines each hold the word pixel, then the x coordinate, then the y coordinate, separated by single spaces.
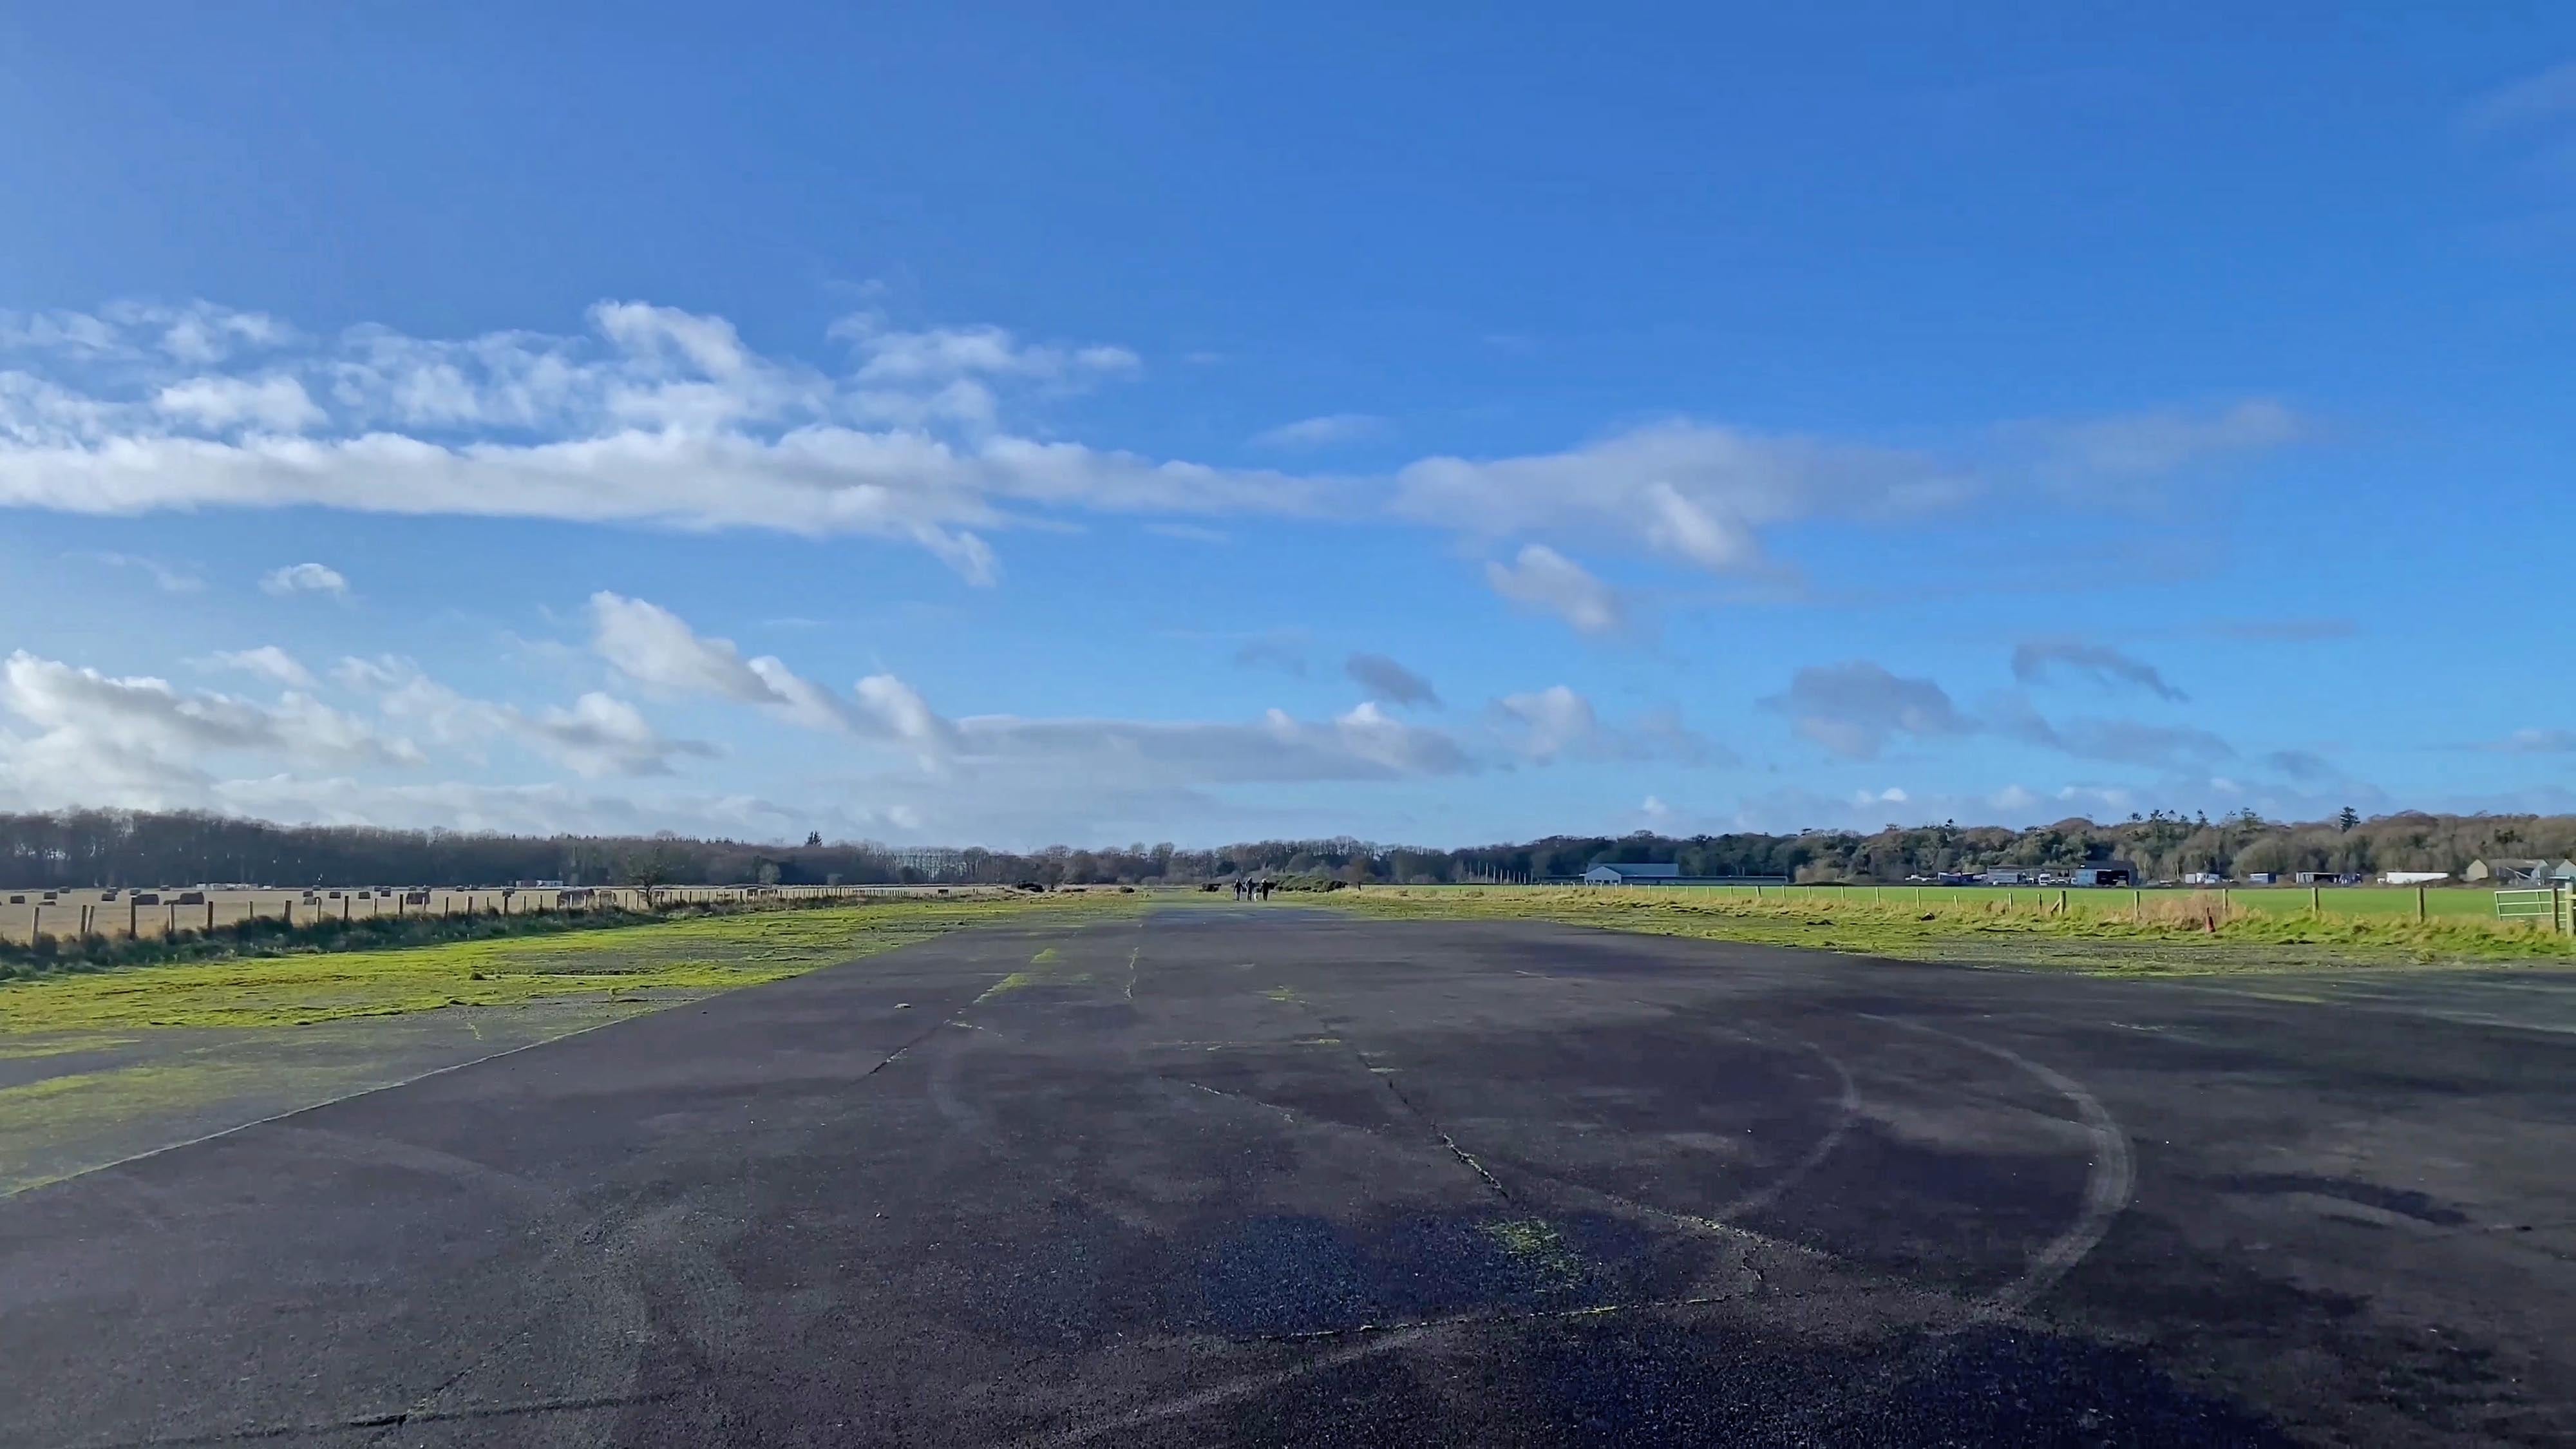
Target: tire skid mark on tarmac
pixel 1365 1340
pixel 2109 1177
pixel 2109 1180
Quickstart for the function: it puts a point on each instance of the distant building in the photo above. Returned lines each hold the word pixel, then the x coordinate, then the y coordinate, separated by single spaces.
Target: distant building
pixel 2203 878
pixel 1632 875
pixel 2009 876
pixel 2414 877
pixel 2263 877
pixel 2108 873
pixel 2328 878
pixel 2513 871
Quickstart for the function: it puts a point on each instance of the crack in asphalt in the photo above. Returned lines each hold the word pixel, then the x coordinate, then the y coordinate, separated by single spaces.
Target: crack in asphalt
pixel 395 1419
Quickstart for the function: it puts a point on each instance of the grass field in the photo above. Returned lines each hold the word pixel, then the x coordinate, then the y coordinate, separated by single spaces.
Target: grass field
pixel 2106 930
pixel 121 914
pixel 2440 903
pixel 686 957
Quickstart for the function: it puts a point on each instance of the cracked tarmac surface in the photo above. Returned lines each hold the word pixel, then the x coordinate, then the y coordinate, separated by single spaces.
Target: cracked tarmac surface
pixel 1262 1176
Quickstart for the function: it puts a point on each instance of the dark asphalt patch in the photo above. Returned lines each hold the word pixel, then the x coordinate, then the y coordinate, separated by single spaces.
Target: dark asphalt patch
pixel 1260 1176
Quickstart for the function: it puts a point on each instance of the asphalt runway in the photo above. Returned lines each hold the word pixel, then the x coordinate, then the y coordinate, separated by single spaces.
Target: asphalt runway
pixel 1263 1176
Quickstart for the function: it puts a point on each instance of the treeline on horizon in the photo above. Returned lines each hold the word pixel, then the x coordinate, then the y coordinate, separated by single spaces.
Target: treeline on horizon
pixel 136 848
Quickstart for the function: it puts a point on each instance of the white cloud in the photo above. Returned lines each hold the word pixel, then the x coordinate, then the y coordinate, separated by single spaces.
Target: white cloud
pixel 1548 724
pixel 656 648
pixel 1542 578
pixel 938 355
pixel 276 403
pixel 602 735
pixel 268 662
pixel 1691 492
pixel 304 578
pixel 103 740
pixel 1322 432
pixel 598 735
pixel 1552 721
pixel 1001 755
pixel 659 417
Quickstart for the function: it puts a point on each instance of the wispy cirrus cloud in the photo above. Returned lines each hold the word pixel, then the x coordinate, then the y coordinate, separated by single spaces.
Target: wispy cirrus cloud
pixel 2535 742
pixel 2547 95
pixel 1321 432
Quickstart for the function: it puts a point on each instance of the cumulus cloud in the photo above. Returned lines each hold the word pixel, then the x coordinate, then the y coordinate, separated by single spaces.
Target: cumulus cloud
pixel 107 740
pixel 304 578
pixel 2034 661
pixel 268 662
pixel 1322 432
pixel 598 735
pixel 1542 578
pixel 1558 723
pixel 275 403
pixel 1854 709
pixel 656 648
pixel 1390 682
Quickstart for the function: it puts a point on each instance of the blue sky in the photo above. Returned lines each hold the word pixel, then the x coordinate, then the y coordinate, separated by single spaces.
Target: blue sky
pixel 1006 425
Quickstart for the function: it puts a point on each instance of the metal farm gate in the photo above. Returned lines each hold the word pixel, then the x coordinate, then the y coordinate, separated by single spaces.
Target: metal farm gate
pixel 2555 904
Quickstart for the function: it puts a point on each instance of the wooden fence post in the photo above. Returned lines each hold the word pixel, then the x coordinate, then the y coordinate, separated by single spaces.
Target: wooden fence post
pixel 2419 903
pixel 2137 905
pixel 2316 900
pixel 131 933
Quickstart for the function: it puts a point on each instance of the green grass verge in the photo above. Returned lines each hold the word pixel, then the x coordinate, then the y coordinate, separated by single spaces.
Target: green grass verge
pixel 689 957
pixel 2174 932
